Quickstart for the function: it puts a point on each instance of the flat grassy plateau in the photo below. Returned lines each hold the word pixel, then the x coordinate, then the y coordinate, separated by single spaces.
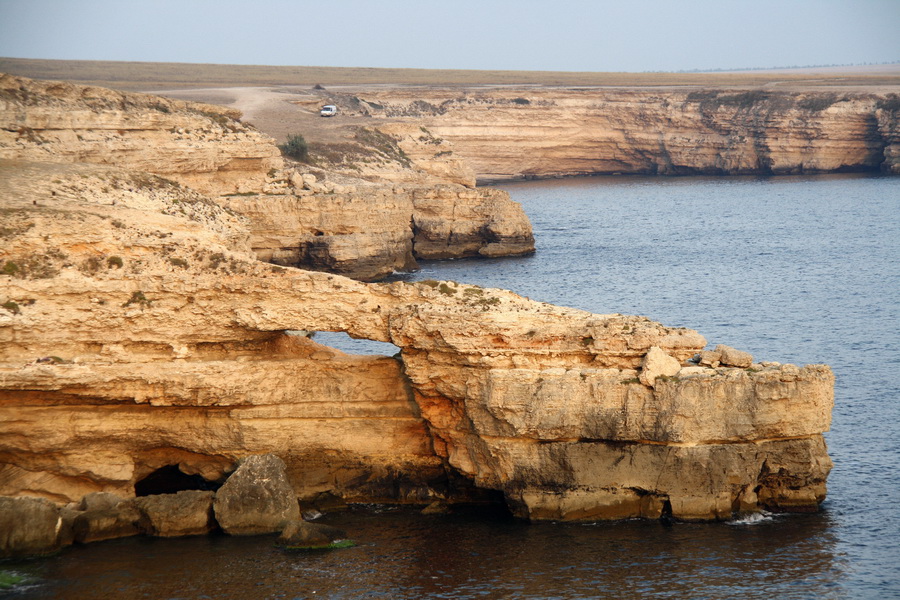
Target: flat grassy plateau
pixel 145 76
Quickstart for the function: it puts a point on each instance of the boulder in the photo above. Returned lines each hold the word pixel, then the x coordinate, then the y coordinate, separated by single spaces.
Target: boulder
pixel 304 533
pixel 108 523
pixel 656 364
pixel 710 358
pixel 256 498
pixel 731 357
pixel 187 512
pixel 28 526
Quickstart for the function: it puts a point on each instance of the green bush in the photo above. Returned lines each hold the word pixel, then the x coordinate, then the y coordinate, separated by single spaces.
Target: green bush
pixel 295 147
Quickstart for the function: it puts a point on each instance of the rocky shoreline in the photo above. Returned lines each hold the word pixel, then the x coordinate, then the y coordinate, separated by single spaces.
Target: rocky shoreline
pixel 255 499
pixel 142 337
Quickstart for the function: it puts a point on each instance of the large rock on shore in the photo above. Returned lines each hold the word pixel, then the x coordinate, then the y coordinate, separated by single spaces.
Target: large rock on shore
pixel 107 522
pixel 189 512
pixel 28 526
pixel 256 498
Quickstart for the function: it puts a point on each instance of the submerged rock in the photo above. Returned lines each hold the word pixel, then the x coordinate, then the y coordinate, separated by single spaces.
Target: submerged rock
pixel 256 498
pixel 302 533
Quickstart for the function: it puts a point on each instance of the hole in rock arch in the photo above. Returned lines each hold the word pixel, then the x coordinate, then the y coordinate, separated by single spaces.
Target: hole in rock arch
pixel 345 343
pixel 170 479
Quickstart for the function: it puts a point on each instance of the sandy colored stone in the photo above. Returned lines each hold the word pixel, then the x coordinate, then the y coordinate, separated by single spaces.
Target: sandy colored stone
pixel 188 512
pixel 149 335
pixel 113 522
pixel 256 498
pixel 731 357
pixel 710 358
pixel 28 526
pixel 363 228
pixel 657 363
pixel 200 145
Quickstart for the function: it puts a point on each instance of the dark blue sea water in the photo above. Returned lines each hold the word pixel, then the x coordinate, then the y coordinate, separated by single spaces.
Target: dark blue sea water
pixel 792 269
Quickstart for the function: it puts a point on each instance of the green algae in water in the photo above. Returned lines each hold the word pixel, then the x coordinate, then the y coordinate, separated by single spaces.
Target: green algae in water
pixel 8 579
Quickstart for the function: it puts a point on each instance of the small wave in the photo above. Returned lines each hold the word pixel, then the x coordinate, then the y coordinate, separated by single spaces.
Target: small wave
pixel 753 518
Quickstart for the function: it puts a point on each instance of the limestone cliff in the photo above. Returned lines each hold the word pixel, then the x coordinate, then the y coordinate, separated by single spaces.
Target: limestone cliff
pixel 139 331
pixel 539 132
pixel 367 230
pixel 365 226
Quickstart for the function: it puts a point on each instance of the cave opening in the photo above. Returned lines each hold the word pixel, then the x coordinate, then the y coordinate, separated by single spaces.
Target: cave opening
pixel 169 480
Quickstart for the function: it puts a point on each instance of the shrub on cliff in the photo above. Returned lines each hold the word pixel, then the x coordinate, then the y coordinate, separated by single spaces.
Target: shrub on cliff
pixel 295 147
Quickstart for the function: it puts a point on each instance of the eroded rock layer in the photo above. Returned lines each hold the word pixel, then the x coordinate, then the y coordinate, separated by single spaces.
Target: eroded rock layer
pixel 147 335
pixel 139 334
pixel 509 133
pixel 426 207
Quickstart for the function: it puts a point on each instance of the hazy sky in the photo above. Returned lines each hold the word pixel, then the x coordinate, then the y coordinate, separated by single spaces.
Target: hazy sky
pixel 626 35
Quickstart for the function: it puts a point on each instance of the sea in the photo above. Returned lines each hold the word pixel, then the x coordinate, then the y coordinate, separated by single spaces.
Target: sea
pixel 795 269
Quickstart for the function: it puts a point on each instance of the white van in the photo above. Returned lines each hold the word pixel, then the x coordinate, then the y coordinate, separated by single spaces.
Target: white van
pixel 329 110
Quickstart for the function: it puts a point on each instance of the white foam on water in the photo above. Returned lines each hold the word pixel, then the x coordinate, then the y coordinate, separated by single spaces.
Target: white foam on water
pixel 753 518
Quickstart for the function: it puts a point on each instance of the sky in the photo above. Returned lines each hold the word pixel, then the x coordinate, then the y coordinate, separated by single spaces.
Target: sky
pixel 626 35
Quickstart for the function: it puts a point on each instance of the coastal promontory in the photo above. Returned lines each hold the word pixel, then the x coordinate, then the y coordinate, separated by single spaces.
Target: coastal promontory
pixel 141 335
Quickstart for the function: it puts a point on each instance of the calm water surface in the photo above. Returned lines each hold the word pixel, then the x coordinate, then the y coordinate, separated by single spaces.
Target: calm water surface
pixel 793 269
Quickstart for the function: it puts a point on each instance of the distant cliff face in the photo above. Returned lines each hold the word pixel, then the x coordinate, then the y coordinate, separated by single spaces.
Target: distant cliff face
pixel 524 133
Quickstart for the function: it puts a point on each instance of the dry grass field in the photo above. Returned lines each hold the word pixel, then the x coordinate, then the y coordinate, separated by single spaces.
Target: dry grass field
pixel 141 76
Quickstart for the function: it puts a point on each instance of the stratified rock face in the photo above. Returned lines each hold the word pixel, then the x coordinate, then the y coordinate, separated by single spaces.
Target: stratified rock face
pixel 559 419
pixel 175 354
pixel 509 133
pixel 139 332
pixel 363 232
pixel 364 229
pixel 199 145
pixel 368 230
pixel 150 391
pixel 256 498
pixel 454 223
